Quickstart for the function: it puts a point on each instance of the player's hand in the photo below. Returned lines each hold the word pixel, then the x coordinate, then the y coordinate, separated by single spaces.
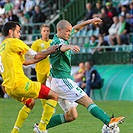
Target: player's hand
pixel 96 21
pixel 52 49
pixel 75 48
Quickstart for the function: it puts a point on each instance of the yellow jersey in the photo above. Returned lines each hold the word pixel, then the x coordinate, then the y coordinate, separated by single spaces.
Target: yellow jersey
pixel 12 52
pixel 43 66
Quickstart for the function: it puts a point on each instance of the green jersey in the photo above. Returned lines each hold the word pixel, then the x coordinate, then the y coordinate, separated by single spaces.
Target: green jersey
pixel 61 61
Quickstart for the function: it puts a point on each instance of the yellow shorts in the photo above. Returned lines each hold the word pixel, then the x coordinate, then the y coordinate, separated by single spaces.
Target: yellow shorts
pixel 42 77
pixel 25 91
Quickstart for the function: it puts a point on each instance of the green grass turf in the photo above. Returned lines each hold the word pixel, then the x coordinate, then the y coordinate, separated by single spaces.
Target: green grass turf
pixel 85 123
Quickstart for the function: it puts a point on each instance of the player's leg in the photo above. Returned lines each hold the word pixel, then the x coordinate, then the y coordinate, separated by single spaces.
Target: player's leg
pixel 63 87
pixel 23 114
pixel 56 120
pixel 70 114
pixel 98 112
pixel 52 98
pixel 42 79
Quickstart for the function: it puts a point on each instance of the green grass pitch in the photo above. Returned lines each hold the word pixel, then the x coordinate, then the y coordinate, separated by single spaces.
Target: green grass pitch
pixel 85 123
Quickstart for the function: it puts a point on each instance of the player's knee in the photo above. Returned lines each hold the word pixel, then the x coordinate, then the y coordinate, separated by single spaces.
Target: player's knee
pixel 30 103
pixel 71 117
pixel 74 117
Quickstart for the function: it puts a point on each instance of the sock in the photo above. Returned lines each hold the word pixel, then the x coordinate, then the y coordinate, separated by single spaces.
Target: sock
pixel 56 120
pixel 43 101
pixel 47 113
pixel 23 114
pixel 98 113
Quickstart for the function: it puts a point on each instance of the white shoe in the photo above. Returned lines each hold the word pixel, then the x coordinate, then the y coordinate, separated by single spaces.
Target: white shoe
pixel 6 95
pixel 37 130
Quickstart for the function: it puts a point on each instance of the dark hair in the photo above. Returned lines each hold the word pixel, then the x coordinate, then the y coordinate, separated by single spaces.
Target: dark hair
pixel 9 26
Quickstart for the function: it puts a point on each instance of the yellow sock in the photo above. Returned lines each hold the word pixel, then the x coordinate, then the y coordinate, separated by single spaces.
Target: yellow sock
pixel 43 101
pixel 23 114
pixel 15 130
pixel 47 113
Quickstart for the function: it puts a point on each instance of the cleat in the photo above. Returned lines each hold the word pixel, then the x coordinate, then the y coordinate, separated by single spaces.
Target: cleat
pixel 35 125
pixel 112 116
pixel 114 121
pixel 37 130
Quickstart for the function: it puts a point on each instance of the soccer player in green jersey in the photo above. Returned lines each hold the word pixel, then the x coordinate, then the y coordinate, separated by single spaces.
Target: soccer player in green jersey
pixel 70 95
pixel 15 82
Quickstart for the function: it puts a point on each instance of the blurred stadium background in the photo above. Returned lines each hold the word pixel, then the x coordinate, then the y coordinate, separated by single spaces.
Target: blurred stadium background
pixel 115 66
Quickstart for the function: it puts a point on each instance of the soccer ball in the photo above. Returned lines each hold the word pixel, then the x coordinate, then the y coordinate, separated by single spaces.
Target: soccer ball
pixel 106 129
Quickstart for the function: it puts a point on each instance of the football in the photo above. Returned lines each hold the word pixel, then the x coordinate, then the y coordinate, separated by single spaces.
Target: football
pixel 106 129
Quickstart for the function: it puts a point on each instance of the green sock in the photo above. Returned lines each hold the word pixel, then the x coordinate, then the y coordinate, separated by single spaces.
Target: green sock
pixel 56 120
pixel 98 113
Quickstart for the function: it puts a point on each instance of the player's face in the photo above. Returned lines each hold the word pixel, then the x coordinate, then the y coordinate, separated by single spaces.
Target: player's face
pixel 16 33
pixel 81 65
pixel 65 33
pixel 45 31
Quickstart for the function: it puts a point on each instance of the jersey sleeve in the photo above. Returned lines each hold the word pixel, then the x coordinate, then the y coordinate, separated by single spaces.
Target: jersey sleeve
pixel 73 32
pixel 31 52
pixel 19 46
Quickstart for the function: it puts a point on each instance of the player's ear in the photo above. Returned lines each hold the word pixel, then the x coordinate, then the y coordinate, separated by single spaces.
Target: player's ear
pixel 10 32
pixel 59 29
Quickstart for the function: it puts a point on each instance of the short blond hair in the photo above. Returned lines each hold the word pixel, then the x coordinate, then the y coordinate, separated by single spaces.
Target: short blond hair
pixel 62 24
pixel 44 25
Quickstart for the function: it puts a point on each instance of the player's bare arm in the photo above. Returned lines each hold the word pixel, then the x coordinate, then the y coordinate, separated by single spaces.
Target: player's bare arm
pixel 44 54
pixel 85 23
pixel 41 55
pixel 31 61
pixel 74 48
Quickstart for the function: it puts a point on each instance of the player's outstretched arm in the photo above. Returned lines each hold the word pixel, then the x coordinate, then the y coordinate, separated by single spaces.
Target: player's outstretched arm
pixel 41 55
pixel 85 23
pixel 65 47
pixel 44 54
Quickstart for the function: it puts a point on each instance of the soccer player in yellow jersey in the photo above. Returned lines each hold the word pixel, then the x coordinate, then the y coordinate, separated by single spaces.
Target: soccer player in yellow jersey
pixel 15 82
pixel 42 67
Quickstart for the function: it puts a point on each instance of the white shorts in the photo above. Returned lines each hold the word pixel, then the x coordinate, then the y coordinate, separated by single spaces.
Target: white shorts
pixel 68 92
